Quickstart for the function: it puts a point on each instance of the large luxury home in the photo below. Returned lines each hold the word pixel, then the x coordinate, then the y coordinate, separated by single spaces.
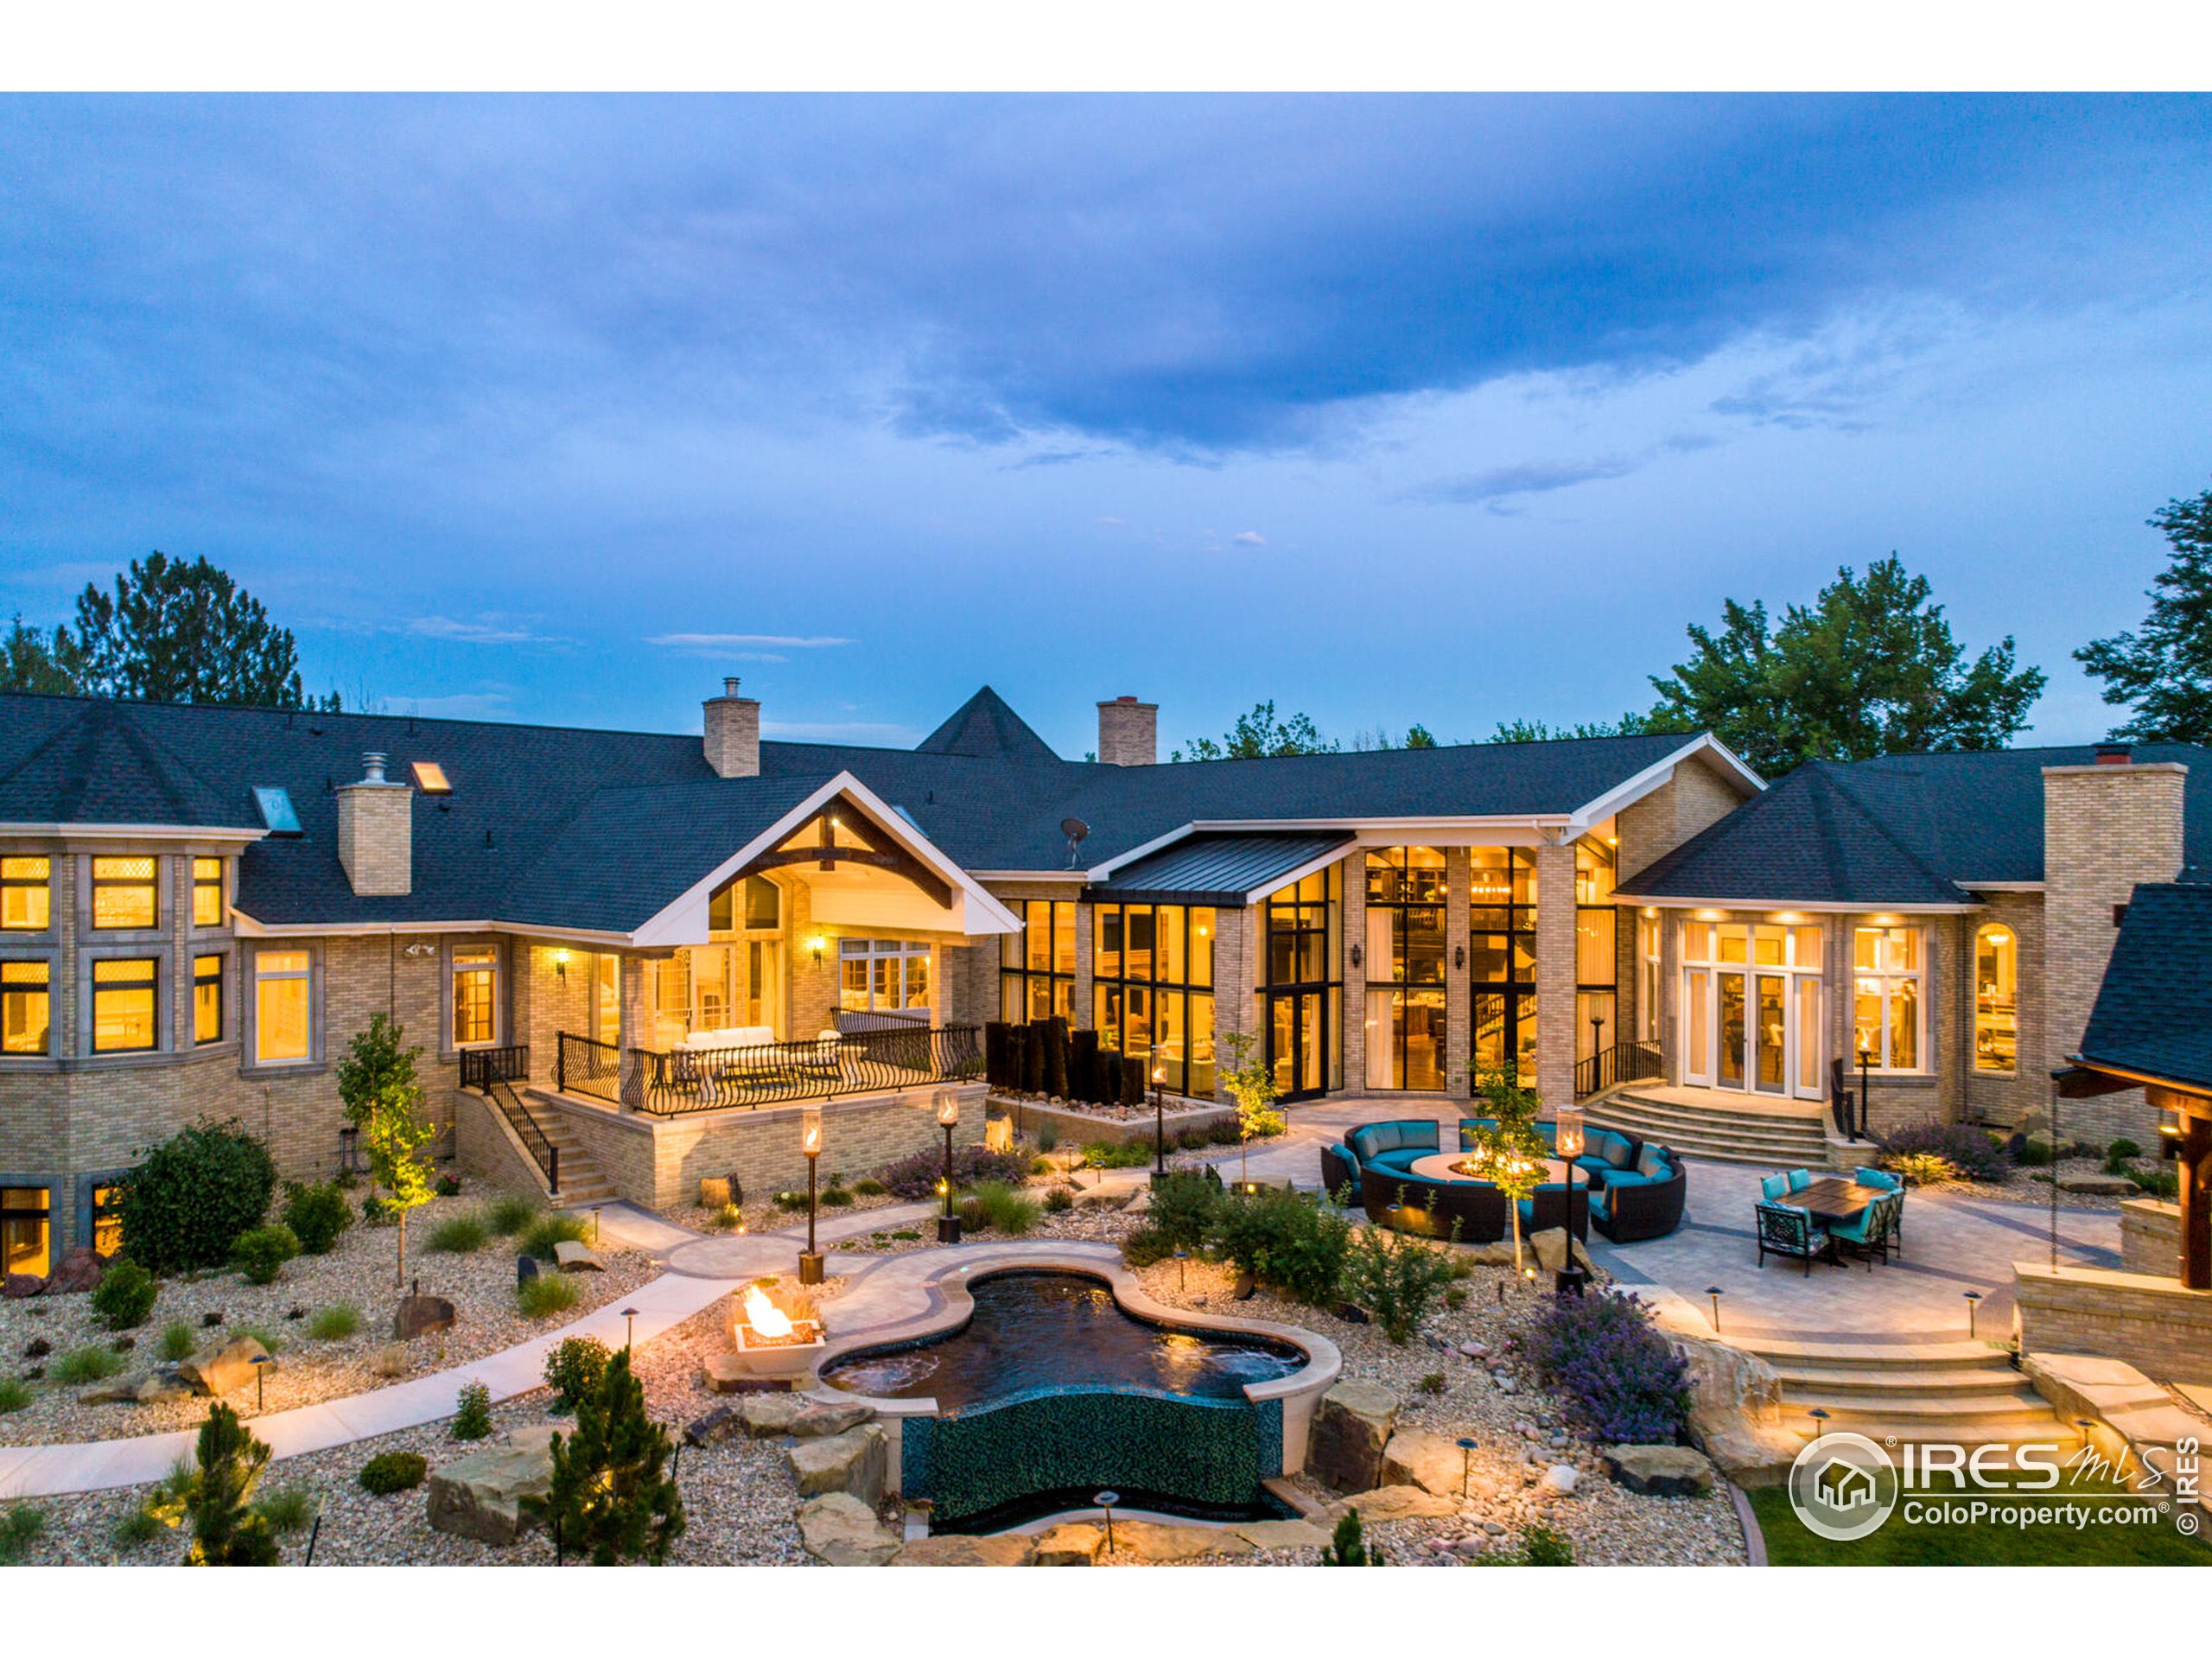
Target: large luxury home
pixel 643 953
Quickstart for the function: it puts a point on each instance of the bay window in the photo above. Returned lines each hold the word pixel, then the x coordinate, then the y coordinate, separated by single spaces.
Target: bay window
pixel 124 893
pixel 207 999
pixel 26 1006
pixel 125 1018
pixel 26 894
pixel 25 1218
pixel 206 893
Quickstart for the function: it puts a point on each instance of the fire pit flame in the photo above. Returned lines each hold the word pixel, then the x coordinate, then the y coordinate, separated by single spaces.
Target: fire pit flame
pixel 764 1316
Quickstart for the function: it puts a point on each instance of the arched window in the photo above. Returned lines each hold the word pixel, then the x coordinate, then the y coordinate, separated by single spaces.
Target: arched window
pixel 1996 998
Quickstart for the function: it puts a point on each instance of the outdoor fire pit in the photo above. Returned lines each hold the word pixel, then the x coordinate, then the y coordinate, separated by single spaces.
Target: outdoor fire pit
pixel 772 1341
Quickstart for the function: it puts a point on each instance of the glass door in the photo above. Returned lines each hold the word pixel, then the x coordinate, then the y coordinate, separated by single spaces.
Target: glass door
pixel 1733 1031
pixel 1769 1036
pixel 1297 1043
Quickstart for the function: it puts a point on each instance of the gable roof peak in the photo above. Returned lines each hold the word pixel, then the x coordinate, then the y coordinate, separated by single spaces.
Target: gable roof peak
pixel 986 728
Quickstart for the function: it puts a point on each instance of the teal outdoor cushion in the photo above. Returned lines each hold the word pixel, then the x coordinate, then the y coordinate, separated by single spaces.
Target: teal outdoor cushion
pixel 1774 1188
pixel 1401 1160
pixel 1616 1149
pixel 1653 1162
pixel 1629 1177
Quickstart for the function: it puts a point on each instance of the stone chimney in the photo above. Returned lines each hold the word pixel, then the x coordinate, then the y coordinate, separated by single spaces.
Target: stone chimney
pixel 1128 732
pixel 376 832
pixel 2106 826
pixel 733 732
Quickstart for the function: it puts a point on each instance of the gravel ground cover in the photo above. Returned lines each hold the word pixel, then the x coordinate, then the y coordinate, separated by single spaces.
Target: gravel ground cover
pixel 358 1272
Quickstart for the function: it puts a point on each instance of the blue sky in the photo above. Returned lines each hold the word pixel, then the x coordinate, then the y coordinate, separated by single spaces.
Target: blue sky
pixel 1450 409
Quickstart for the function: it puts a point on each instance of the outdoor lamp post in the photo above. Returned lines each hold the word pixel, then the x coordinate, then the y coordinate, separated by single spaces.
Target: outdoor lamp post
pixel 1596 1051
pixel 809 1142
pixel 1715 1293
pixel 261 1364
pixel 1466 1463
pixel 1159 1115
pixel 1973 1307
pixel 1567 1141
pixel 947 1115
pixel 1859 1118
pixel 1106 1500
pixel 629 1328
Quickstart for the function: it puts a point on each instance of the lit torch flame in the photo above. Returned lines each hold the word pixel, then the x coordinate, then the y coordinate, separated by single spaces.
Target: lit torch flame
pixel 764 1316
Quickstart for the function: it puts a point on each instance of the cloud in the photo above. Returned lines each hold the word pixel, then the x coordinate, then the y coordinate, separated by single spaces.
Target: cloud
pixel 488 629
pixel 741 641
pixel 1501 484
pixel 1055 458
pixel 1249 538
pixel 1114 524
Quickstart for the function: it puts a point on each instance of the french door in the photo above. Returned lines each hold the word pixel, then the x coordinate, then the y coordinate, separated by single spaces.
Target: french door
pixel 1754 1031
pixel 1297 1043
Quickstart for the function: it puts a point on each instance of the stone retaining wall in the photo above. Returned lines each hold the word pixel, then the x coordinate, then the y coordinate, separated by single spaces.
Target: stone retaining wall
pixel 1075 1128
pixel 2150 1321
pixel 2150 1237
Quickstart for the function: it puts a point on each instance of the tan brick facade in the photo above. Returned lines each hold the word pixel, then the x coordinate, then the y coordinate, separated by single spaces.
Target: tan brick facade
pixel 376 836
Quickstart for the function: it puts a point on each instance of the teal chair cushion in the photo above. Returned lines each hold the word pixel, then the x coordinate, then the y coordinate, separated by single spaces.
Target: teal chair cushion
pixel 1774 1188
pixel 1799 1180
pixel 1877 1177
pixel 1652 1162
pixel 1858 1230
pixel 1401 1161
pixel 1630 1177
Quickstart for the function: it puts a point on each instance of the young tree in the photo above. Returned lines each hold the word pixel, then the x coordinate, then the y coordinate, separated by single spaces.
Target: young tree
pixel 179 632
pixel 612 1500
pixel 226 1530
pixel 1870 668
pixel 377 1085
pixel 2166 671
pixel 31 661
pixel 1250 1082
pixel 1260 735
pixel 1508 1152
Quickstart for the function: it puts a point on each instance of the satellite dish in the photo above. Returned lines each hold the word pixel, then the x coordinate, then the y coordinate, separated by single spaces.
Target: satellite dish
pixel 1075 830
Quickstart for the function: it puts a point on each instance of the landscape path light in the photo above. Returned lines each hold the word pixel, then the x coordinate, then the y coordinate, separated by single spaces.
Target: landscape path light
pixel 1715 1293
pixel 629 1328
pixel 1973 1308
pixel 1466 1463
pixel 1106 1500
pixel 261 1364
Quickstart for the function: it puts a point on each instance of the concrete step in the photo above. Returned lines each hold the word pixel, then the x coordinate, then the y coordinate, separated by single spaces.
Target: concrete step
pixel 1911 1406
pixel 1752 1131
pixel 1810 1380
pixel 1891 1432
pixel 1808 1112
pixel 1875 1356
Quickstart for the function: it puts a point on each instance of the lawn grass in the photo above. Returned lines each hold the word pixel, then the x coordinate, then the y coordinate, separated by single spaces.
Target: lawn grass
pixel 1988 1543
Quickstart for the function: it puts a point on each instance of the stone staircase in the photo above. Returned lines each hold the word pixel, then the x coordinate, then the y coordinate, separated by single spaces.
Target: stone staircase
pixel 582 1181
pixel 1770 1139
pixel 1960 1393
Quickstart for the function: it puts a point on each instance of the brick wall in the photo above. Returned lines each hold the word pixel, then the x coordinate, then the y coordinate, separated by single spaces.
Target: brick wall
pixel 1694 798
pixel 1555 1025
pixel 2150 1237
pixel 2161 1330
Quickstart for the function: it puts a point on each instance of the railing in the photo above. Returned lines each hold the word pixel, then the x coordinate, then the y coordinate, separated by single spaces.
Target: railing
pixel 494 1072
pixel 881 1019
pixel 582 1065
pixel 480 1067
pixel 1631 1062
pixel 774 1074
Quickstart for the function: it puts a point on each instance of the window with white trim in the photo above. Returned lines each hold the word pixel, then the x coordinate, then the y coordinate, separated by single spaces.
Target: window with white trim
pixel 284 1004
pixel 1889 1012
pixel 475 996
pixel 882 975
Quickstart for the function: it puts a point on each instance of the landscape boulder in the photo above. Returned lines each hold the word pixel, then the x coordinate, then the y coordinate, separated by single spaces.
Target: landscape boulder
pixel 420 1315
pixel 1282 1534
pixel 1551 1246
pixel 1736 1411
pixel 713 1192
pixel 1393 1503
pixel 719 1425
pixel 1429 1461
pixel 1160 1540
pixel 79 1270
pixel 838 1528
pixel 767 1416
pixel 1352 1427
pixel 854 1462
pixel 1660 1471
pixel 20 1287
pixel 573 1255
pixel 1072 1543
pixel 2095 1185
pixel 958 1549
pixel 225 1369
pixel 815 1421
pixel 494 1495
pixel 727 1374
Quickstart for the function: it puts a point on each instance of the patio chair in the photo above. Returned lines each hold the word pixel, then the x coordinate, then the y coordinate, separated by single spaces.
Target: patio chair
pixel 1785 1230
pixel 1774 1188
pixel 1800 1180
pixel 1868 1233
pixel 1880 1178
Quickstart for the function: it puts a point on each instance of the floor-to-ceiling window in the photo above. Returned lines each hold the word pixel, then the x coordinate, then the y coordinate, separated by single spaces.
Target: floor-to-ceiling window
pixel 1037 965
pixel 1404 960
pixel 1502 959
pixel 1304 985
pixel 1751 1006
pixel 1888 1011
pixel 1597 963
pixel 1647 983
pixel 1152 996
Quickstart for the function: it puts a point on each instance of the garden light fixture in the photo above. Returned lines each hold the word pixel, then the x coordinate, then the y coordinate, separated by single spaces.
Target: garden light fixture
pixel 1181 1275
pixel 1159 1115
pixel 1106 1500
pixel 1466 1463
pixel 809 1142
pixel 629 1328
pixel 1715 1293
pixel 1973 1307
pixel 261 1364
pixel 2085 1425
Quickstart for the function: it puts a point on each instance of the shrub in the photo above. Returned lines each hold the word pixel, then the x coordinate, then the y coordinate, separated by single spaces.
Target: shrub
pixel 1128 1155
pixel 1621 1379
pixel 551 1229
pixel 377 1212
pixel 1432 1382
pixel 22 1525
pixel 2120 1154
pixel 916 1176
pixel 287 1510
pixel 510 1214
pixel 611 1499
pixel 186 1204
pixel 334 1323
pixel 2159 1183
pixel 545 1295
pixel 1285 1240
pixel 726 1218
pixel 261 1254
pixel 1264 1122
pixel 1192 1140
pixel 460 1235
pixel 1347 1547
pixel 1041 1166
pixel 791 1201
pixel 1006 1209
pixel 1143 1245
pixel 1224 1134
pixel 136 1528
pixel 179 1341
pixel 1058 1201
pixel 393 1472
pixel 14 1395
pixel 835 1198
pixel 269 1339
pixel 573 1369
pixel 2035 1154
pixel 227 1531
pixel 1183 1210
pixel 447 1187
pixel 317 1213
pixel 86 1365
pixel 1455 1297
pixel 1974 1153
pixel 471 1417
pixel 1543 1546
pixel 868 1187
pixel 1396 1277
pixel 1048 1138
pixel 124 1295
pixel 1923 1168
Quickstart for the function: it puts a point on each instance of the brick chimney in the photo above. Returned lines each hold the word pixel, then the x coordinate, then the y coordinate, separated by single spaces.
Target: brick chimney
pixel 733 732
pixel 2106 826
pixel 1128 732
pixel 376 832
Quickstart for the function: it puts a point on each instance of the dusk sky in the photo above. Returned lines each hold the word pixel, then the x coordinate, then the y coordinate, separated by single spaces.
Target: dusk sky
pixel 1447 410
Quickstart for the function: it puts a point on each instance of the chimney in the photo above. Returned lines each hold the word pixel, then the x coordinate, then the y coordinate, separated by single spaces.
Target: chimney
pixel 1128 732
pixel 2114 754
pixel 733 732
pixel 376 832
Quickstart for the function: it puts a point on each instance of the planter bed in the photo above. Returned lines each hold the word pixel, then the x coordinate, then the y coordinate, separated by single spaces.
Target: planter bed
pixel 1081 1124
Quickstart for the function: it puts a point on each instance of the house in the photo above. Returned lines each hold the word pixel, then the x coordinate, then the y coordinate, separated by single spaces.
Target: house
pixel 645 952
pixel 1846 1486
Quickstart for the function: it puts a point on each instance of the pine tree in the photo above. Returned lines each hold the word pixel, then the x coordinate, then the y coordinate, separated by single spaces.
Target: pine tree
pixel 1347 1549
pixel 2166 671
pixel 612 1500
pixel 178 632
pixel 227 1531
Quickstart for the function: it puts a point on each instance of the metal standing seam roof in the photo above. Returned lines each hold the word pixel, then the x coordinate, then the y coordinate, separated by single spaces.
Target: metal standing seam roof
pixel 1215 870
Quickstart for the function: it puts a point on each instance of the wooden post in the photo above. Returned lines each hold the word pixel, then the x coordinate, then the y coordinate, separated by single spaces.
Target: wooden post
pixel 2194 1168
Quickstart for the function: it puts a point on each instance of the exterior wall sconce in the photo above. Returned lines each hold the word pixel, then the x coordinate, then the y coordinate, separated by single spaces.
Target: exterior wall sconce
pixel 1355 953
pixel 815 945
pixel 1459 956
pixel 561 965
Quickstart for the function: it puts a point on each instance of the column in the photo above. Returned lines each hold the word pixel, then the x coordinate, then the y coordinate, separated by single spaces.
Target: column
pixel 1458 988
pixel 635 1023
pixel 1355 1032
pixel 1555 975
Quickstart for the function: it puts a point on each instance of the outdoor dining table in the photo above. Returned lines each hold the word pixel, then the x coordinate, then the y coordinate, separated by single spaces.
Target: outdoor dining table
pixel 1831 1199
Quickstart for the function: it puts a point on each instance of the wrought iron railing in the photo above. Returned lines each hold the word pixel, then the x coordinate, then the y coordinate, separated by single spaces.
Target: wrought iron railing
pixel 481 1066
pixel 494 1072
pixel 775 1074
pixel 1630 1062
pixel 583 1066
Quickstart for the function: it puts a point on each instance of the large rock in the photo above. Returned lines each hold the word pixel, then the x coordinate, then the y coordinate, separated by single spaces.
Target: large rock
pixel 1498 1253
pixel 1160 1540
pixel 768 1415
pixel 1561 1478
pixel 1282 1534
pixel 1660 1471
pixel 853 1462
pixel 1429 1461
pixel 117 1390
pixel 1736 1416
pixel 420 1315
pixel 1352 1427
pixel 728 1374
pixel 2098 1186
pixel 713 1192
pixel 958 1549
pixel 79 1270
pixel 573 1255
pixel 839 1528
pixel 20 1287
pixel 1393 1504
pixel 1072 1543
pixel 493 1495
pixel 815 1421
pixel 717 1426
pixel 225 1370
pixel 1551 1247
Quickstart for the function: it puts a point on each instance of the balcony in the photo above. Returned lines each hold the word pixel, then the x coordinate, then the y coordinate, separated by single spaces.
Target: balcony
pixel 675 1083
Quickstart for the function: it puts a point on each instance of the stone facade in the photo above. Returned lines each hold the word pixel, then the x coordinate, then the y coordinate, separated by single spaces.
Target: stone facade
pixel 1128 732
pixel 2148 1321
pixel 731 734
pixel 375 834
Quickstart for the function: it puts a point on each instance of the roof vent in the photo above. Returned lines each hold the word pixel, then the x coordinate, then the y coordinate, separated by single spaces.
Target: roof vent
pixel 373 767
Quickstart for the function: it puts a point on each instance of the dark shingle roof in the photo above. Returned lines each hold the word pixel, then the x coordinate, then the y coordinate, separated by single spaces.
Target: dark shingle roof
pixel 2154 1015
pixel 1215 870
pixel 1902 829
pixel 583 829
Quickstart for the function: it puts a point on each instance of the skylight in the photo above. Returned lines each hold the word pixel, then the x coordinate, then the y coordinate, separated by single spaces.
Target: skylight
pixel 430 777
pixel 277 812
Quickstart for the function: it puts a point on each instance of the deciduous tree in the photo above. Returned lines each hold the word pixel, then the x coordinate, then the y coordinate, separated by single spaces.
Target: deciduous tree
pixel 383 1099
pixel 2164 672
